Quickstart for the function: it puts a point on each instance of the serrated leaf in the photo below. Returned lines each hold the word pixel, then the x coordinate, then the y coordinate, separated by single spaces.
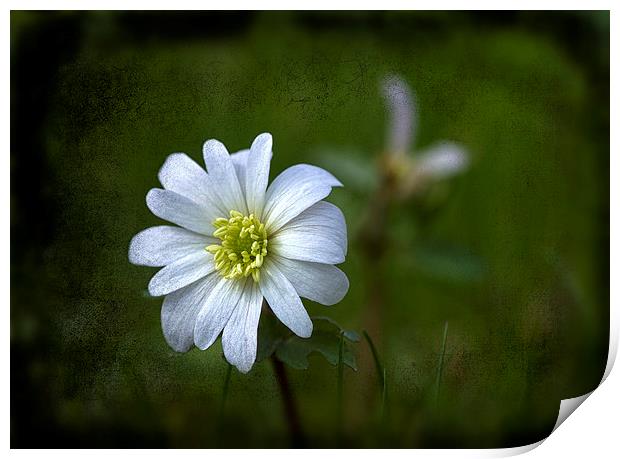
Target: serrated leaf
pixel 295 351
pixel 351 335
pixel 273 337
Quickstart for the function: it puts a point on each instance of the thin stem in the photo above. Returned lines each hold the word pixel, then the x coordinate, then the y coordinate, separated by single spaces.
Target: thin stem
pixel 220 428
pixel 382 376
pixel 384 396
pixel 375 356
pixel 441 361
pixel 290 408
pixel 340 384
pixel 225 389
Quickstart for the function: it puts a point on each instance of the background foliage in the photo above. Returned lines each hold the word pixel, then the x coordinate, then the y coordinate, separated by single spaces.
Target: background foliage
pixel 513 254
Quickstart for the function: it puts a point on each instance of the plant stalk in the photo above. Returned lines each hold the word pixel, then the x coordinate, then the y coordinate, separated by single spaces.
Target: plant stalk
pixel 373 242
pixel 290 407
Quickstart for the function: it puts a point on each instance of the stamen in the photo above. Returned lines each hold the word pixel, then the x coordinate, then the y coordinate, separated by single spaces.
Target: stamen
pixel 243 248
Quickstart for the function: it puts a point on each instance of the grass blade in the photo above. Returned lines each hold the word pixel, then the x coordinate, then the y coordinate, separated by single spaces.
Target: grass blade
pixel 381 373
pixel 441 361
pixel 375 356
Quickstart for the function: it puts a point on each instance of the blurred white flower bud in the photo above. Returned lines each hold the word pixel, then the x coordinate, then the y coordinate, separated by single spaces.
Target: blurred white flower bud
pixel 412 172
pixel 402 115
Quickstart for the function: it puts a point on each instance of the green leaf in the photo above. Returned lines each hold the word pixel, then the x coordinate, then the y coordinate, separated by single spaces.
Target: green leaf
pixel 271 333
pixel 274 337
pixel 295 350
pixel 351 335
pixel 294 353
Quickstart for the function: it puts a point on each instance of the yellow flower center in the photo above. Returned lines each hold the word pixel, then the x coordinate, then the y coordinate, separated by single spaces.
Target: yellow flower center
pixel 243 247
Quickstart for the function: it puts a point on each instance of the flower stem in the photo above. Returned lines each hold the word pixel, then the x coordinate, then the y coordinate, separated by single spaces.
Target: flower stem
pixel 373 240
pixel 288 400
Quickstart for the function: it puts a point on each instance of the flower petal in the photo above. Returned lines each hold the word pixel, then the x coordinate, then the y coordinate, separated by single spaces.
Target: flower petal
pixel 402 114
pixel 257 173
pixel 318 234
pixel 223 177
pixel 184 176
pixel 240 161
pixel 293 191
pixel 284 300
pixel 216 311
pixel 180 310
pixel 162 245
pixel 239 339
pixel 178 209
pixel 318 282
pixel 182 272
pixel 442 160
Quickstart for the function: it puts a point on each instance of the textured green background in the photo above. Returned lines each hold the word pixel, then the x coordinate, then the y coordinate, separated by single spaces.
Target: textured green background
pixel 514 254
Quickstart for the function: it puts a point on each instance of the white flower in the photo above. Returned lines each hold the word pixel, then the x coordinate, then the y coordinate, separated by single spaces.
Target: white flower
pixel 439 161
pixel 239 241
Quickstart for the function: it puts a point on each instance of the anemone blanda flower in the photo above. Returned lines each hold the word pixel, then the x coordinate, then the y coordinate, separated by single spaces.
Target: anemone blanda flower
pixel 239 242
pixel 439 161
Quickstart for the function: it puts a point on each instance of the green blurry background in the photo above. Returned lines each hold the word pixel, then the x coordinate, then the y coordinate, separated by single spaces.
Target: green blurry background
pixel 513 253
